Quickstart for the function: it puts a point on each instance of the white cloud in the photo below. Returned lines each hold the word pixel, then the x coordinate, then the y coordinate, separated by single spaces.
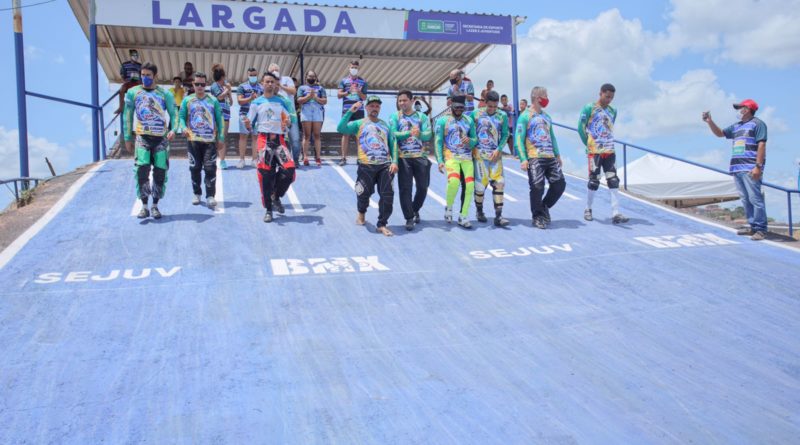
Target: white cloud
pixel 750 32
pixel 38 149
pixel 32 52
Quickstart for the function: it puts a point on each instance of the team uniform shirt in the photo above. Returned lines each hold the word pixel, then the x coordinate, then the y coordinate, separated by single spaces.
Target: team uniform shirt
pixel 351 98
pixel 130 70
pixel 225 104
pixel 305 90
pixel 596 128
pixel 177 93
pixel 491 130
pixel 247 90
pixel 149 112
pixel 269 114
pixel 746 136
pixel 401 125
pixel 449 134
pixel 376 143
pixel 535 137
pixel 464 89
pixel 202 119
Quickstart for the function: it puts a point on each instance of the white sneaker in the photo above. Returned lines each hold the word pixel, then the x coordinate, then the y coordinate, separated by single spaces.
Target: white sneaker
pixel 240 165
pixel 211 202
pixel 196 200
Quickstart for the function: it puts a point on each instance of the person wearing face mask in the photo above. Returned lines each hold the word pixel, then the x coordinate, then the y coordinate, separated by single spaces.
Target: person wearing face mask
pixel 246 93
pixel 131 73
pixel 537 150
pixel 748 156
pixel 512 117
pixel 377 161
pixel 269 115
pixel 596 128
pixel 312 99
pixel 201 118
pixel 455 139
pixel 491 127
pixel 187 76
pixel 461 85
pixel 352 89
pixel 150 117
pixel 287 91
pixel 411 130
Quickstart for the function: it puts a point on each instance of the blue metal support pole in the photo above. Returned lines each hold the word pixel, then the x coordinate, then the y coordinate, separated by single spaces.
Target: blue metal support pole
pixel 22 107
pixel 789 202
pixel 514 73
pixel 625 166
pixel 102 134
pixel 95 93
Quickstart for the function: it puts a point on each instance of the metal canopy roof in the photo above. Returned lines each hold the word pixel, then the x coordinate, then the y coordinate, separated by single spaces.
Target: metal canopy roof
pixel 387 64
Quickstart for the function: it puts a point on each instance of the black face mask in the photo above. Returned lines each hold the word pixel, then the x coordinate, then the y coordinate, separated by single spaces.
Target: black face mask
pixel 453 81
pixel 311 81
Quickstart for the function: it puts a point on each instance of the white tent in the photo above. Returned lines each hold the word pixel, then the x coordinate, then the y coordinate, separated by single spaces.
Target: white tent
pixel 677 183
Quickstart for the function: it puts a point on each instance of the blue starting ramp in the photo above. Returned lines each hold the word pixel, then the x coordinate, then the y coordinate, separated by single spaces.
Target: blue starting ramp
pixel 214 327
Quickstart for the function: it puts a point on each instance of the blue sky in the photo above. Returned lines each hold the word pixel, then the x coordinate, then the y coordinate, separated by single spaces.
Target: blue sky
pixel 670 60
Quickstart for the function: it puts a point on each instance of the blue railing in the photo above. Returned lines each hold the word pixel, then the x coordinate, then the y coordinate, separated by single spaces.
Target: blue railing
pixel 20 184
pixel 625 146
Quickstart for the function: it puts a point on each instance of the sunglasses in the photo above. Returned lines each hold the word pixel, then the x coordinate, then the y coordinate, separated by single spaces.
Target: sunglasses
pixel 197 84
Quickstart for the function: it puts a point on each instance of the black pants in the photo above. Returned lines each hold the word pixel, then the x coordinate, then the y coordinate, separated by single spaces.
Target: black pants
pixel 413 170
pixel 367 177
pixel 539 170
pixel 606 162
pixel 152 152
pixel 203 158
pixel 276 169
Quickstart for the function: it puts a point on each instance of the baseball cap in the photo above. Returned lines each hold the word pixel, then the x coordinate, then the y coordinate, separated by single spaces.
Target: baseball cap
pixel 749 103
pixel 374 99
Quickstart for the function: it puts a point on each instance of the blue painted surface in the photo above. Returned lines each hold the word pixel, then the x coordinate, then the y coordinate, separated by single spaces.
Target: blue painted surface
pixel 606 339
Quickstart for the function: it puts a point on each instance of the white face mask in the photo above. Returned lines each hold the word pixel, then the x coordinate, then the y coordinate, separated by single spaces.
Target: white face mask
pixel 741 114
pixel 354 71
pixel 277 74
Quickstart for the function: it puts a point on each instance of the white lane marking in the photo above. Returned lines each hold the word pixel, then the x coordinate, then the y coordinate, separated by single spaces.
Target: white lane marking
pixel 350 181
pixel 298 208
pixel 509 197
pixel 568 195
pixel 14 248
pixel 220 195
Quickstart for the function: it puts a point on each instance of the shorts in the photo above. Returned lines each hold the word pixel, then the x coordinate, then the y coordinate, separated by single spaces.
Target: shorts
pixel 312 114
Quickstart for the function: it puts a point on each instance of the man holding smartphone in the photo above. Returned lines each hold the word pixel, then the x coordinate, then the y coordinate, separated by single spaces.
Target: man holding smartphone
pixel 747 163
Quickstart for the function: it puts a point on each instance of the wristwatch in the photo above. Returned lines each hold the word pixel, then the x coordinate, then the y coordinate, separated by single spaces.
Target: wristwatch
pixel 760 166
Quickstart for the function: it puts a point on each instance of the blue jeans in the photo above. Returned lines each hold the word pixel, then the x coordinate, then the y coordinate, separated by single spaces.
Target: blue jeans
pixel 752 200
pixel 295 141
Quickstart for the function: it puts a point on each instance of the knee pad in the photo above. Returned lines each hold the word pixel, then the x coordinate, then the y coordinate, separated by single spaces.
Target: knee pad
pixel 594 184
pixel 612 180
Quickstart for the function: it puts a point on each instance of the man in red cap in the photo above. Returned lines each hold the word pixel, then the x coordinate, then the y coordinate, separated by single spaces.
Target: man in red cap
pixel 747 163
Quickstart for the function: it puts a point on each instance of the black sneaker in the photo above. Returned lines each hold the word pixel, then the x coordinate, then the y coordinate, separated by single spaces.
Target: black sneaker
pixel 587 215
pixel 410 224
pixel 268 217
pixel 342 162
pixel 619 218
pixel 539 223
pixel 546 214
pixel 481 217
pixel 144 213
pixel 155 212
pixel 416 218
pixel 499 221
pixel 276 203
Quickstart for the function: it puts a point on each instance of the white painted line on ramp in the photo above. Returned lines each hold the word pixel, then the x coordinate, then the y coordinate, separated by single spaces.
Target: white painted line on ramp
pixel 14 248
pixel 350 181
pixel 298 208
pixel 220 195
